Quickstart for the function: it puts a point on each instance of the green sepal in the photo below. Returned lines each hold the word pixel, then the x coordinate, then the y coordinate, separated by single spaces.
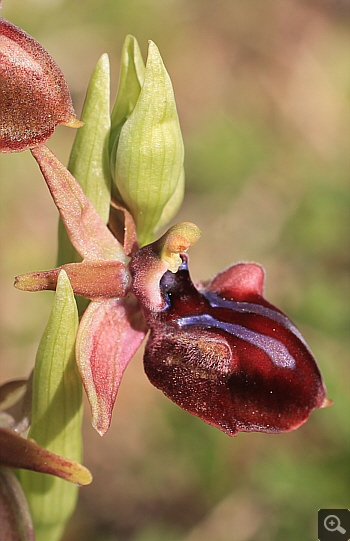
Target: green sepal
pixel 89 158
pixel 150 153
pixel 172 206
pixel 56 415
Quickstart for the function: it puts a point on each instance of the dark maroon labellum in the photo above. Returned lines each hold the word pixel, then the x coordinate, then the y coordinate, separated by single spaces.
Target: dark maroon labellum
pixel 234 360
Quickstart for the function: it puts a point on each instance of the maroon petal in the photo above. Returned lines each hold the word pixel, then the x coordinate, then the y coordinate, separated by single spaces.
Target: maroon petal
pixel 18 452
pixel 87 232
pixel 243 281
pixel 228 356
pixel 96 280
pixel 34 96
pixel 122 225
pixel 109 334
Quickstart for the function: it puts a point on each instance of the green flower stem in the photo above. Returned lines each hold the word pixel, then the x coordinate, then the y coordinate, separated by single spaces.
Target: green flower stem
pixel 56 415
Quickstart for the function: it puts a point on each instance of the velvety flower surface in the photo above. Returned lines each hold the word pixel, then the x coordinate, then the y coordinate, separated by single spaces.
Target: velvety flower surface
pixel 34 95
pixel 112 327
pixel 219 350
pixel 225 354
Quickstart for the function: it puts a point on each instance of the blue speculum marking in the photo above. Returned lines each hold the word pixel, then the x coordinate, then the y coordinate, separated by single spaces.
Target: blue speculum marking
pixel 277 351
pixel 251 308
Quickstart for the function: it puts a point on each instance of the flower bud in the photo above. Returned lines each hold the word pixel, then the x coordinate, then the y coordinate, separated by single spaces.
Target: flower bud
pixel 150 154
pixel 34 95
pixel 132 75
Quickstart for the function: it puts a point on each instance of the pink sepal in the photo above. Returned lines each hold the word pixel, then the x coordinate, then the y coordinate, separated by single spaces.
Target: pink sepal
pixel 109 334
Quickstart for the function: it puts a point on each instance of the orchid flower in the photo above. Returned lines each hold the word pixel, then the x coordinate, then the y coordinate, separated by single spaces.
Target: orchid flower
pixel 219 350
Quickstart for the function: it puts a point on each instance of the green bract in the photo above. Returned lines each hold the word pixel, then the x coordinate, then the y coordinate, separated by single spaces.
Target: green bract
pixel 150 153
pixel 88 160
pixel 132 75
pixel 56 415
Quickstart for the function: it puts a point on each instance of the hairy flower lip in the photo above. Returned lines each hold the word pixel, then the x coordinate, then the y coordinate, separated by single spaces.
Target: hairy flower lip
pixel 224 353
pixel 34 95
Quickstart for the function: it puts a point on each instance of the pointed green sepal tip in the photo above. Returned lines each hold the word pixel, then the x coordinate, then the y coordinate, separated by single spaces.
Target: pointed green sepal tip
pixel 150 153
pixel 132 74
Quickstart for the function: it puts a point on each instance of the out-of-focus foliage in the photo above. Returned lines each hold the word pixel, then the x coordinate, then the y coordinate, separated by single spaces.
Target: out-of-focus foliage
pixel 262 90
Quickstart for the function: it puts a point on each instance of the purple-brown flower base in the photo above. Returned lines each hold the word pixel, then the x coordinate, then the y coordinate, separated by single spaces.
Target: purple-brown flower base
pixel 232 359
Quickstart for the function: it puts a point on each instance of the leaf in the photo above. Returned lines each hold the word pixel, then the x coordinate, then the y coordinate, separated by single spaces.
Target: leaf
pixel 132 74
pixel 173 205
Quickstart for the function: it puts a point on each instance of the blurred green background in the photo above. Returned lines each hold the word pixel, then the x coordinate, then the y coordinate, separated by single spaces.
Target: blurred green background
pixel 262 89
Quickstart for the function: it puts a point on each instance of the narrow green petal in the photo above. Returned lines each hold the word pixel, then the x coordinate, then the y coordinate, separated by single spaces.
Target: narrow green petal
pixel 56 415
pixel 150 152
pixel 89 159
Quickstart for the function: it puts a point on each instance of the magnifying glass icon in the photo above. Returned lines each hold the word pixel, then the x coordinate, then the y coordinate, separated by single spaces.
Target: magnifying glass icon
pixel 332 524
